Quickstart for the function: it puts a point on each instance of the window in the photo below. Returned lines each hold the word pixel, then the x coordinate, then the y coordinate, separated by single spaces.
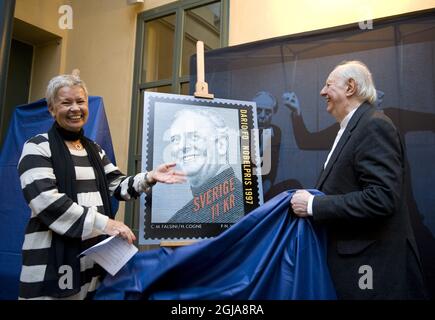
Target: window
pixel 165 40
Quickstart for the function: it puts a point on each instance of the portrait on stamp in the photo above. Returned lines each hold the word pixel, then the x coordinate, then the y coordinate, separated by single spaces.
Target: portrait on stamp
pixel 215 143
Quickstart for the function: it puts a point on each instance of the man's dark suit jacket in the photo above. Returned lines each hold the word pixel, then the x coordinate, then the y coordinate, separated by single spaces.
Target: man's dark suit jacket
pixel 366 214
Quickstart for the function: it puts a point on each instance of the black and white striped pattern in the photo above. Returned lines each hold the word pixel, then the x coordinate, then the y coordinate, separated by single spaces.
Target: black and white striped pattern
pixel 54 212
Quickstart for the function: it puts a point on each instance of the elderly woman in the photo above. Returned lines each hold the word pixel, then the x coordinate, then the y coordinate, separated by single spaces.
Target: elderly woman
pixel 67 180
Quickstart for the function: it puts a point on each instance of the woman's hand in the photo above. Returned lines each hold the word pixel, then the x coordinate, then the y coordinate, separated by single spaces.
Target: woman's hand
pixel 118 228
pixel 166 173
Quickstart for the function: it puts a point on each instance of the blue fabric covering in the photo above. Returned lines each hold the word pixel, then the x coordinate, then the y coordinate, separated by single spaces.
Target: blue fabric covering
pixel 269 254
pixel 27 121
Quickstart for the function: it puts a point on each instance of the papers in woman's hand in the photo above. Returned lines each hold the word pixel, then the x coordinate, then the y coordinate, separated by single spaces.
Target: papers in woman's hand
pixel 111 254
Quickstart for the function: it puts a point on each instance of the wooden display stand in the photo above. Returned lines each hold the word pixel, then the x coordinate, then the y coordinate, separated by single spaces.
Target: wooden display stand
pixel 201 91
pixel 201 87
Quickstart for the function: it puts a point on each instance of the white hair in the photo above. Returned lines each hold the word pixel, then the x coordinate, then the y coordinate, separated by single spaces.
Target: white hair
pixel 63 80
pixel 360 73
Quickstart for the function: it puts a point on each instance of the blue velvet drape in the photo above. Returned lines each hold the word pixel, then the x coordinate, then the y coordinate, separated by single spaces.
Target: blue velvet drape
pixel 269 254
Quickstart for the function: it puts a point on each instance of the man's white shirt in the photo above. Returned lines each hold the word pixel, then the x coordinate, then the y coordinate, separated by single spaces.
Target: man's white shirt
pixel 343 125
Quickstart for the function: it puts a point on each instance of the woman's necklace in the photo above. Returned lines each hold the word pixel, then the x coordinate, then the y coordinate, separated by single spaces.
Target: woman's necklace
pixel 77 145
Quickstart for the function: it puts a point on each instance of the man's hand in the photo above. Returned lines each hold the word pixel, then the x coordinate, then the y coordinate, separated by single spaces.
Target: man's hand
pixel 117 228
pixel 291 101
pixel 166 173
pixel 299 203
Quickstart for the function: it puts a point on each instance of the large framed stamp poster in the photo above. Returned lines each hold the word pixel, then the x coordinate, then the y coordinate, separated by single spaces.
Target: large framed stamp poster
pixel 215 142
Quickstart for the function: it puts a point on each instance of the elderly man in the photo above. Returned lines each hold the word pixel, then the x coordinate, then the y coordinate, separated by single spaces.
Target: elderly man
pixel 67 180
pixel 200 144
pixel 372 252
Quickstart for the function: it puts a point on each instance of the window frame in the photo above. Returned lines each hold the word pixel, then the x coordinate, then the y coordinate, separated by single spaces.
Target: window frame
pixel 178 8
